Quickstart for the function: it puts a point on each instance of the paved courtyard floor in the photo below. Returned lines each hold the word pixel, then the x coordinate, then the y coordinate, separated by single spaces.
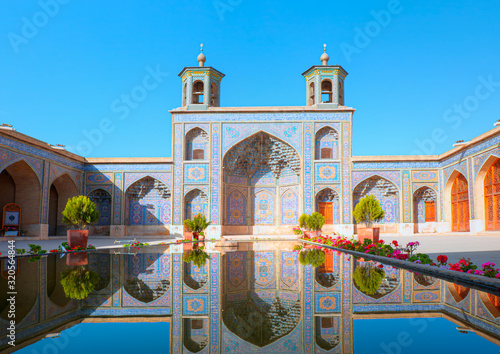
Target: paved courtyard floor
pixel 479 249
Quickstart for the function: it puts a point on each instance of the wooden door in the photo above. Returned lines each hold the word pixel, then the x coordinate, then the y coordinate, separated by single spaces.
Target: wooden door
pixel 430 211
pixel 326 209
pixel 492 197
pixel 460 205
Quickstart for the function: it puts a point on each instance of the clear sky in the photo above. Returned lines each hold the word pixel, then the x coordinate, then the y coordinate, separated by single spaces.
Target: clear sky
pixel 421 74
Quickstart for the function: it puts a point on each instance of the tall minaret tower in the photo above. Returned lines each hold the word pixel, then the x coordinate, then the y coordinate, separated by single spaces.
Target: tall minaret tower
pixel 325 84
pixel 200 85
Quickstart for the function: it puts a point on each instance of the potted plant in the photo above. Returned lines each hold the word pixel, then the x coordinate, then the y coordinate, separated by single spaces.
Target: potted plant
pixel 78 282
pixel 79 212
pixel 197 226
pixel 368 278
pixel 315 223
pixel 198 256
pixel 368 211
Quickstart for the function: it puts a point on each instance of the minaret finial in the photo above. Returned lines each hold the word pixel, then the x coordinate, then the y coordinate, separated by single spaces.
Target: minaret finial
pixel 324 57
pixel 201 57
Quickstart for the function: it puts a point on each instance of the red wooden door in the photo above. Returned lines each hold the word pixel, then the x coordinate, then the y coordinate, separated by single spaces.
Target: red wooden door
pixel 492 197
pixel 326 209
pixel 430 211
pixel 460 205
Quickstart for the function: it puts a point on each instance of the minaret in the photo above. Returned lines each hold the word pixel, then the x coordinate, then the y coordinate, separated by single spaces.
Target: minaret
pixel 325 84
pixel 200 85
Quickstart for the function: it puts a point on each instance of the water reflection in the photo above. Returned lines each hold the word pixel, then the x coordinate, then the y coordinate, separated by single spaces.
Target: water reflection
pixel 250 299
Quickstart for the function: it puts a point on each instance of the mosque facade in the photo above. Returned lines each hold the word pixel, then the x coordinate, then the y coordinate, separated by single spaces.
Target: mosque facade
pixel 254 171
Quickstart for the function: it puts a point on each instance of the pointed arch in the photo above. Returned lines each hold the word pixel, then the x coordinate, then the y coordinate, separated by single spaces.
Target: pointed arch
pixel 196 145
pixel 385 191
pixel 62 188
pixel 196 202
pixel 456 201
pixel 485 200
pixel 102 199
pixel 424 206
pixel 326 143
pixel 327 204
pixel 147 202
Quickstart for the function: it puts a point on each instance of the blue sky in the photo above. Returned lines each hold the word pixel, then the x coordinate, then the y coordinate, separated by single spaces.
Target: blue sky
pixel 422 74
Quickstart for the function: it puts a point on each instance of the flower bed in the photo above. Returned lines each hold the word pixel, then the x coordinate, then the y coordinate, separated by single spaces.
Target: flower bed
pixel 406 253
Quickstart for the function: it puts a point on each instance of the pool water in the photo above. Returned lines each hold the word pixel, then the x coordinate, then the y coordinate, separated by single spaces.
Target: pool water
pixel 249 298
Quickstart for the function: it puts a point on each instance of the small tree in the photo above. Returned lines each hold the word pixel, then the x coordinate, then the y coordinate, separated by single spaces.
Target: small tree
pixel 79 212
pixel 199 257
pixel 368 211
pixel 368 279
pixel 303 221
pixel 315 222
pixel 198 224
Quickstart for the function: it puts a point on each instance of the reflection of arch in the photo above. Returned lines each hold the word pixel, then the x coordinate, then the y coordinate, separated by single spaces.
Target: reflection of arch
pixel 327 332
pixel 27 287
pixel 384 191
pixel 327 204
pixel 257 311
pixel 20 184
pixel 55 291
pixel 195 277
pixel 148 203
pixel 327 143
pixel 424 205
pixel 195 334
pixel 491 302
pixel 102 199
pixel 327 275
pixel 196 144
pixel 458 292
pixel 62 189
pixel 487 193
pixel 196 202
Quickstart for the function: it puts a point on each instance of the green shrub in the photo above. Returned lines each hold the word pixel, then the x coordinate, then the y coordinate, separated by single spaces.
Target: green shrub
pixel 78 282
pixel 79 212
pixel 303 221
pixel 368 279
pixel 199 257
pixel 368 211
pixel 198 224
pixel 315 222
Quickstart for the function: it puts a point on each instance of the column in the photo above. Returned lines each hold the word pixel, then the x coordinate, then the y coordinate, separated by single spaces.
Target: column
pixel 336 87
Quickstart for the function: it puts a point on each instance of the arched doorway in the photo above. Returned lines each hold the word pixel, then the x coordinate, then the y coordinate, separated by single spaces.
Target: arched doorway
pixel 102 200
pixel 424 208
pixel 261 186
pixel 20 184
pixel 327 204
pixel 492 197
pixel 460 204
pixel 196 202
pixel 61 190
pixel 147 203
pixel 385 192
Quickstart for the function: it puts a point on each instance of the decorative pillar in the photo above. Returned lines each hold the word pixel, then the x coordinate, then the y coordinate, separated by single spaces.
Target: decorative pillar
pixel 207 97
pixel 118 226
pixel 189 89
pixel 317 88
pixel 44 227
pixel 336 87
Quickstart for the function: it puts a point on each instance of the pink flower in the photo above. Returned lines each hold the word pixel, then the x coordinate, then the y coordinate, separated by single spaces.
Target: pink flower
pixel 478 272
pixel 470 271
pixel 497 276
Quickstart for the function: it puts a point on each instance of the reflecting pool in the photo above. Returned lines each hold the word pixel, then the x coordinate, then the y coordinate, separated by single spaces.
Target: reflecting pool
pixel 249 298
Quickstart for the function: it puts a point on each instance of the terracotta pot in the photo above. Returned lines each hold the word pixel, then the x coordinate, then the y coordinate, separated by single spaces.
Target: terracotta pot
pixel 187 246
pixel 77 238
pixel 188 236
pixel 371 233
pixel 196 236
pixel 75 259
